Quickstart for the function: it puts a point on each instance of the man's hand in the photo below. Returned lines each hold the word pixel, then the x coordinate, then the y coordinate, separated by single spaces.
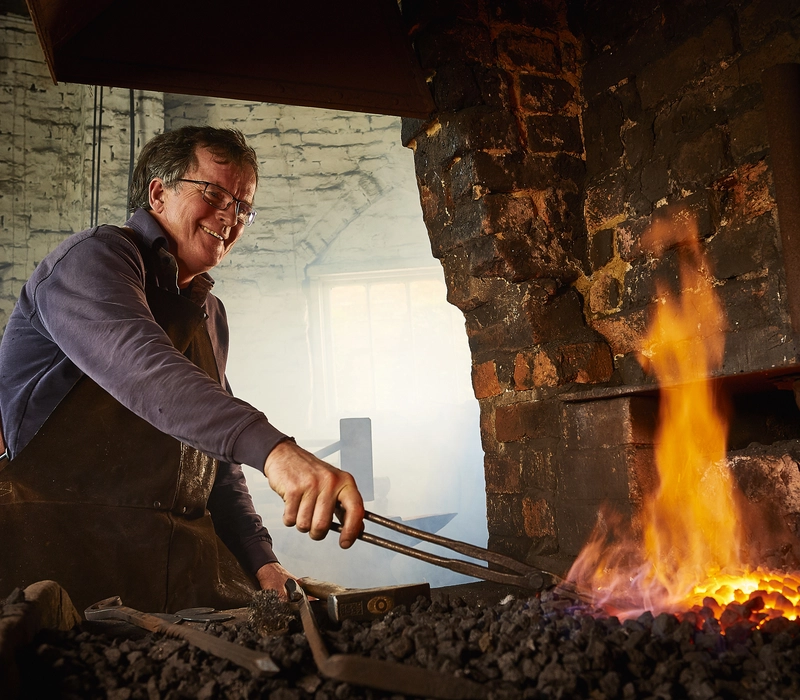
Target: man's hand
pixel 311 490
pixel 273 576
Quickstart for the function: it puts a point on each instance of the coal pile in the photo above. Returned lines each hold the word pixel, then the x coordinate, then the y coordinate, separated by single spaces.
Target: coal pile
pixel 545 647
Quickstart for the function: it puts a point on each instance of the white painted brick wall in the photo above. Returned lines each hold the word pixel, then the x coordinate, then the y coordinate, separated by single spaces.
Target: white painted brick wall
pixel 46 155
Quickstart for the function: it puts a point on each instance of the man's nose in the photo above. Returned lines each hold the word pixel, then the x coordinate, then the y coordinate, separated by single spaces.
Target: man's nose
pixel 227 216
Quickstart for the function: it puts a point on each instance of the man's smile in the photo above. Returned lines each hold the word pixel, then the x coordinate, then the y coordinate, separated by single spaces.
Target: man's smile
pixel 212 233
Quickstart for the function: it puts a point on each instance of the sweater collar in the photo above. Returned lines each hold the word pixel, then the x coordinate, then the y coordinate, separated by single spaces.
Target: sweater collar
pixel 153 236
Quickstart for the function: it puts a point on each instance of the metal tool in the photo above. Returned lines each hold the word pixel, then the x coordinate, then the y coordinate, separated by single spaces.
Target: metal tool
pixel 375 673
pixel 202 615
pixel 194 615
pixel 363 603
pixel 113 609
pixel 525 576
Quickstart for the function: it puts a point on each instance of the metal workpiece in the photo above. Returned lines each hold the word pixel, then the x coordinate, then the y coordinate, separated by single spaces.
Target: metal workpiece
pixel 376 673
pixel 523 576
pixel 112 608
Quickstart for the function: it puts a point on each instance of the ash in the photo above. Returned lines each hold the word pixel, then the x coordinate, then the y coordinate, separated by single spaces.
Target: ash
pixel 548 647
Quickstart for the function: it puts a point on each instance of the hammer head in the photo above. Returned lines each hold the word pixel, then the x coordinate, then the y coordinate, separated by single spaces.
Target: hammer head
pixel 370 603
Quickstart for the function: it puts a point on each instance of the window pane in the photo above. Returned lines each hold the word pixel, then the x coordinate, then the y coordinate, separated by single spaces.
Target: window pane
pixel 396 345
pixel 391 343
pixel 351 351
pixel 438 334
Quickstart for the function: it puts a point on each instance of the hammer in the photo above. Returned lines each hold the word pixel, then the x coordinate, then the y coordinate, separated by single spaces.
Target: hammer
pixel 363 603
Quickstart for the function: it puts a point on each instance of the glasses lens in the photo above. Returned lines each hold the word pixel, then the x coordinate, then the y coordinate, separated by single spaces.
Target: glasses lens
pixel 216 197
pixel 219 198
pixel 245 213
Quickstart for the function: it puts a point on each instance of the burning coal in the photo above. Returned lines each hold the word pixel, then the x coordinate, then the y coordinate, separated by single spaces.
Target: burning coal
pixel 690 550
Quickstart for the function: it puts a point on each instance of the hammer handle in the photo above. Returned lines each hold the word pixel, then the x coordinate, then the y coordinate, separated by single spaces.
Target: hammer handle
pixel 320 589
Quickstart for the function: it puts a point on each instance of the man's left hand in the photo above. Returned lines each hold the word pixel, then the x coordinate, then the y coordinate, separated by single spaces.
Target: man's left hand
pixel 273 576
pixel 311 490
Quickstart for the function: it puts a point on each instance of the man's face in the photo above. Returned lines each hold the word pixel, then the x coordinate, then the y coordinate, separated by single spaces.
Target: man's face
pixel 201 235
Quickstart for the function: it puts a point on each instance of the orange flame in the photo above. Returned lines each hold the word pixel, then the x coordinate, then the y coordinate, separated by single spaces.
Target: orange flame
pixel 690 552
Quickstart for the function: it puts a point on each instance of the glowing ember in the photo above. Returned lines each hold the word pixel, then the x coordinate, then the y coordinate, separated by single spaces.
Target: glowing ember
pixel 690 554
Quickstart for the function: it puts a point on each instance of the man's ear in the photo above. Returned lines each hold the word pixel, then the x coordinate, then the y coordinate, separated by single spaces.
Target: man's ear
pixel 156 192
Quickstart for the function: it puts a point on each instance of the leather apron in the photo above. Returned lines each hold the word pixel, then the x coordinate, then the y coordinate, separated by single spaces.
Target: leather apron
pixel 105 504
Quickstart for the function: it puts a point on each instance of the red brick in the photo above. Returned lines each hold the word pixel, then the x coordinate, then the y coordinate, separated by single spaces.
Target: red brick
pixel 534 369
pixel 526 420
pixel 557 318
pixel 624 420
pixel 486 423
pixel 521 256
pixel 528 51
pixel 503 474
pixel 624 332
pixel 539 465
pixel 537 518
pixel 504 515
pixel 485 381
pixel 586 363
pixel 745 193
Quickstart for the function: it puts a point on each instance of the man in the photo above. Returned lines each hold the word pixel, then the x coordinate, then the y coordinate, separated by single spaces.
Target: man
pixel 123 442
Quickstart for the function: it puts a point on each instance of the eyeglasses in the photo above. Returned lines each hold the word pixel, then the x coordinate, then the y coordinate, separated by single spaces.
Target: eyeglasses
pixel 219 198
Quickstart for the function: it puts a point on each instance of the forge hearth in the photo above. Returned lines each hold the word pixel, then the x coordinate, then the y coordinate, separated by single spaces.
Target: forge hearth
pixel 607 460
pixel 519 647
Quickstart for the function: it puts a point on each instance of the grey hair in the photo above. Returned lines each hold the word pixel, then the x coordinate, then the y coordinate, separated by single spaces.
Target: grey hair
pixel 170 155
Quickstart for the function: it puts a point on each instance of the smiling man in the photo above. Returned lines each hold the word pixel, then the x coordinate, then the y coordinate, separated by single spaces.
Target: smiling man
pixel 122 474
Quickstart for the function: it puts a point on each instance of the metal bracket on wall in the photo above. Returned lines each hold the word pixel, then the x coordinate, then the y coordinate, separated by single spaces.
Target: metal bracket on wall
pixel 355 450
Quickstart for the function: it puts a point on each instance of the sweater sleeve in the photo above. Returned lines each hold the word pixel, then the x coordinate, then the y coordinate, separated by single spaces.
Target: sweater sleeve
pixel 91 302
pixel 236 521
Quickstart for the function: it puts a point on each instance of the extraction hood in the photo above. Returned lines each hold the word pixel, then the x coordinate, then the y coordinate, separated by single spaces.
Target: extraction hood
pixel 353 55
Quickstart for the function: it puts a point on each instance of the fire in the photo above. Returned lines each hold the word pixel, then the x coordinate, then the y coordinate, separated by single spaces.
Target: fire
pixel 691 551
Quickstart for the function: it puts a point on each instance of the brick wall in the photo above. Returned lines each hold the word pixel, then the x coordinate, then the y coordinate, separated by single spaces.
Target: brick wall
pixel 562 130
pixel 675 119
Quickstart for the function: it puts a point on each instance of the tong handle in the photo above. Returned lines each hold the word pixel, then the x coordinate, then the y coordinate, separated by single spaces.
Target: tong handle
pixel 465 548
pixel 534 579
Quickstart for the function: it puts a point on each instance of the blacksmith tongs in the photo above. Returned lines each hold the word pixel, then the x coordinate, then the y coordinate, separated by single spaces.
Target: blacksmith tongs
pixel 525 576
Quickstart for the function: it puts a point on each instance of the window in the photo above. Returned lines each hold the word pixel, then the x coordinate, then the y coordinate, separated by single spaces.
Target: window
pixel 389 342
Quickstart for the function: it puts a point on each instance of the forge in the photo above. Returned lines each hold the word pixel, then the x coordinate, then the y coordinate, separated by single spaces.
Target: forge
pixel 555 321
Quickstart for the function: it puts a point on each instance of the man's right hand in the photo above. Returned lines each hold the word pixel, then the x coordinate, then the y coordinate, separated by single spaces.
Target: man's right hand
pixel 311 489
